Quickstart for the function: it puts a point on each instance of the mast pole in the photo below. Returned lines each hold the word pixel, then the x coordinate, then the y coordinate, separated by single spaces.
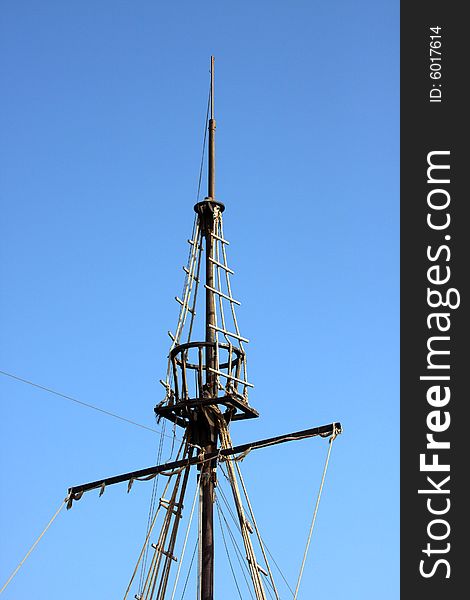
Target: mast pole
pixel 209 429
pixel 211 180
pixel 211 379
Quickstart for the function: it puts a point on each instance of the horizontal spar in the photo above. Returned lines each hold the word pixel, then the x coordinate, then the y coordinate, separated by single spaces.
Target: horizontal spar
pixel 76 492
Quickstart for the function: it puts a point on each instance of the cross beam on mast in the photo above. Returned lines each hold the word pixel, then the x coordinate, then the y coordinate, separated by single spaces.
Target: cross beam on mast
pixel 76 492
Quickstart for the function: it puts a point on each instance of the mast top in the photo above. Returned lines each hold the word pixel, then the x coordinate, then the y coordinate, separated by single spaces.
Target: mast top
pixel 210 201
pixel 211 161
pixel 212 88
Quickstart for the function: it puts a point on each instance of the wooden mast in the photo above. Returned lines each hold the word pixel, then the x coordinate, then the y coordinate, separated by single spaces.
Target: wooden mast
pixel 199 413
pixel 208 431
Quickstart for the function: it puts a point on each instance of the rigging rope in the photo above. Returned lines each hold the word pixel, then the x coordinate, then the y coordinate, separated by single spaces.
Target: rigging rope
pixel 34 545
pixel 238 553
pixel 224 498
pixel 203 145
pixel 101 410
pixel 189 570
pixel 252 514
pixel 278 568
pixel 225 436
pixel 159 547
pixel 145 545
pixel 149 532
pixel 151 508
pixel 325 468
pixel 196 287
pixel 226 442
pixel 186 538
pixel 227 552
pixel 232 307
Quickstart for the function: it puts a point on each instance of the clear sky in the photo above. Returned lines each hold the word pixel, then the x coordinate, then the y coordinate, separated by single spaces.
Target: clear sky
pixel 102 116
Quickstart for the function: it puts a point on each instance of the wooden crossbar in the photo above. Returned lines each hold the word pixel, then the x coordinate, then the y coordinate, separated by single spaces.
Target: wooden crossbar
pixel 324 431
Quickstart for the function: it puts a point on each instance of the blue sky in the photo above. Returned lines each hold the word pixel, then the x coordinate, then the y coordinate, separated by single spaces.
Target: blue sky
pixel 102 116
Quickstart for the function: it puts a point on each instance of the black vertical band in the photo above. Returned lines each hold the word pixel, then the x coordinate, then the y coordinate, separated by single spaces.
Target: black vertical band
pixel 435 252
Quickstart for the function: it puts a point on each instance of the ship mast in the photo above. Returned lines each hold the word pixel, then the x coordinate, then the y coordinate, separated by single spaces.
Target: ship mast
pixel 206 389
pixel 208 431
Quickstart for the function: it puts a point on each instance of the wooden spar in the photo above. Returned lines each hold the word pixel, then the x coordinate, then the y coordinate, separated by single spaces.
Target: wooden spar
pixel 208 432
pixel 323 431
